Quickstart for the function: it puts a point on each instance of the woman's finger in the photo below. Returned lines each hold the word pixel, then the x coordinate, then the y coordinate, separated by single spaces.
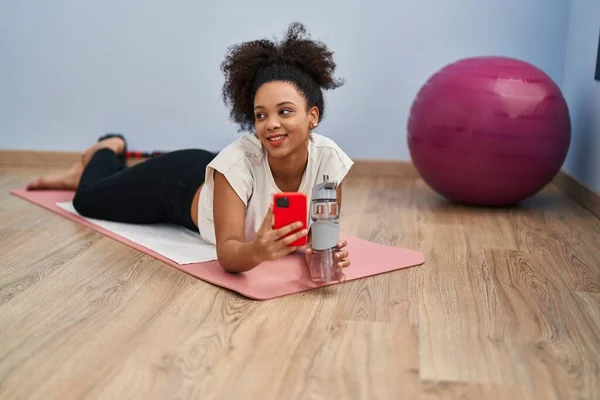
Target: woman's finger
pixel 283 231
pixel 285 251
pixel 292 238
pixel 341 255
pixel 267 223
pixel 344 264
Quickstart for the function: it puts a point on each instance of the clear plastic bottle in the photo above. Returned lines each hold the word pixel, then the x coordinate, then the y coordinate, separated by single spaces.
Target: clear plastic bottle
pixel 325 232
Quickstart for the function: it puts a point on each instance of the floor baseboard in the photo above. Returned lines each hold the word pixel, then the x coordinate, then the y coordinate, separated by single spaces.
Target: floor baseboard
pixel 38 159
pixel 383 168
pixel 363 168
pixel 51 159
pixel 579 192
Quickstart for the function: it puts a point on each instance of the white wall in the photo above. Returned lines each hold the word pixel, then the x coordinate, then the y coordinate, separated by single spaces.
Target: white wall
pixel 70 71
pixel 583 92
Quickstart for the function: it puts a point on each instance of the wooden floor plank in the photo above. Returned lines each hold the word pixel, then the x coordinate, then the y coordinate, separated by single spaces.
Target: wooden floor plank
pixel 506 306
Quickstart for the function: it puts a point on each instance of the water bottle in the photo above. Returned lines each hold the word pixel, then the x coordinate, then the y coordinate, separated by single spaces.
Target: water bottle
pixel 325 232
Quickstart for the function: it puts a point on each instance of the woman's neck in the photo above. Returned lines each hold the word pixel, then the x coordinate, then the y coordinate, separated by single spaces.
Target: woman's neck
pixel 288 172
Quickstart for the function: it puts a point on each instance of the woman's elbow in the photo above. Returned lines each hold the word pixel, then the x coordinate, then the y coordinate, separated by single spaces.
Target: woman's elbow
pixel 228 263
pixel 233 269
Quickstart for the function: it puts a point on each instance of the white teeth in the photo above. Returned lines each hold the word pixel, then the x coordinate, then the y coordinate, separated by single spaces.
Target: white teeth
pixel 273 138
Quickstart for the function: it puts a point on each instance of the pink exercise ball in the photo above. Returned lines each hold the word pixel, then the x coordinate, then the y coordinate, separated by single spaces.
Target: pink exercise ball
pixel 489 131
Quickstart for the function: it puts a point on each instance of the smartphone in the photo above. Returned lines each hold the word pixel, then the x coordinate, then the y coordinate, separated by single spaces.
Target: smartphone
pixel 290 207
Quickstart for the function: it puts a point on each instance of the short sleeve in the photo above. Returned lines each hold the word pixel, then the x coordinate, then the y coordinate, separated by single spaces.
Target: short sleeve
pixel 336 164
pixel 237 170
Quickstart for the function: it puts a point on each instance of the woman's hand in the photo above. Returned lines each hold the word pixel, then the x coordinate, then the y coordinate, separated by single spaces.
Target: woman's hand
pixel 341 256
pixel 271 244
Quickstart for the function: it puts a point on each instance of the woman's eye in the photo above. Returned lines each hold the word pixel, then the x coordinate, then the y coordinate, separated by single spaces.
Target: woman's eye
pixel 259 116
pixel 286 111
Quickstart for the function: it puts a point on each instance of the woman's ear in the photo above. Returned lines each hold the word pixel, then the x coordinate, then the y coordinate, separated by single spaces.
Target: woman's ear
pixel 313 116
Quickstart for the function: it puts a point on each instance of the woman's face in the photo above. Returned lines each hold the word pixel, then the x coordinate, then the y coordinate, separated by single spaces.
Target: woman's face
pixel 281 120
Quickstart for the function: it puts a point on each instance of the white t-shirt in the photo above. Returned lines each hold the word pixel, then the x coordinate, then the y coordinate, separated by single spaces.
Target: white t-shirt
pixel 244 164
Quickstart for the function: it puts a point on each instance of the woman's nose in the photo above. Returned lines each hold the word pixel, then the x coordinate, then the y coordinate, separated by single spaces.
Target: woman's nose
pixel 273 123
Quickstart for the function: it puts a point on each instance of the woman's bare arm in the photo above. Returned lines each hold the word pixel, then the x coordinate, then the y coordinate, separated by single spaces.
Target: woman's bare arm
pixel 233 252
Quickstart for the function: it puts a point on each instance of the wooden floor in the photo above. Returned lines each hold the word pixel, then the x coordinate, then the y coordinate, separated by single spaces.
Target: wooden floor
pixel 506 306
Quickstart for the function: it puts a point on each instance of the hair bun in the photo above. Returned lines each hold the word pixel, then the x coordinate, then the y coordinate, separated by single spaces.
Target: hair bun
pixel 313 57
pixel 244 61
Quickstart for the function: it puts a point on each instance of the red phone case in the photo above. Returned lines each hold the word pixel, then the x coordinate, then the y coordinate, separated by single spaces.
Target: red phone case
pixel 290 207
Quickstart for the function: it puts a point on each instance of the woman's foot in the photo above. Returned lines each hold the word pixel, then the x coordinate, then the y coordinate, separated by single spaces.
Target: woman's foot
pixel 65 181
pixel 116 144
pixel 70 179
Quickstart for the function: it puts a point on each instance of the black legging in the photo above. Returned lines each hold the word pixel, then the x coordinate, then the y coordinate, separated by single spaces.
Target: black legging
pixel 160 189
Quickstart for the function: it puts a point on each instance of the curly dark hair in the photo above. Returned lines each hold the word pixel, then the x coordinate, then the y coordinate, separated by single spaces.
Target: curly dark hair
pixel 306 63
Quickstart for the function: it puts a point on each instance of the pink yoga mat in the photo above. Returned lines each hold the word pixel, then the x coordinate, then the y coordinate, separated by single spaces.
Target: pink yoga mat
pixel 270 279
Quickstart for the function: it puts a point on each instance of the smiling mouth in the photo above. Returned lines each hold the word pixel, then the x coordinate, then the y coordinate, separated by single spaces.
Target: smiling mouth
pixel 276 138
